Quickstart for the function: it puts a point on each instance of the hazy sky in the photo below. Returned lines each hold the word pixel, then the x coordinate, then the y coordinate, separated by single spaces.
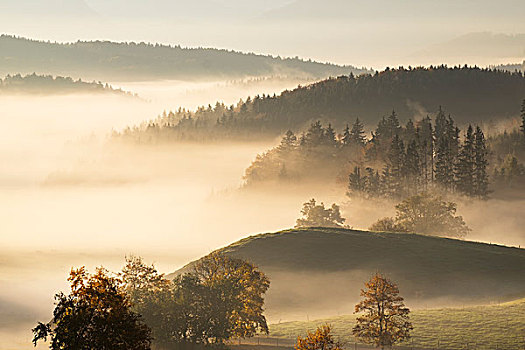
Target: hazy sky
pixel 371 33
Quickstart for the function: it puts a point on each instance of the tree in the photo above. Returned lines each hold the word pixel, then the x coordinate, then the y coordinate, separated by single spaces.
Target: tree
pixel 233 297
pixel 385 225
pixel 385 321
pixel 317 215
pixel 481 179
pixel 429 214
pixel 289 141
pixel 95 315
pixel 464 170
pixel 155 298
pixel 523 117
pixel 357 134
pixel 321 339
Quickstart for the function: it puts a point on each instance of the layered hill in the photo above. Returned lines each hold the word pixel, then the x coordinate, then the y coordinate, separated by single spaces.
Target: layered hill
pixel 49 85
pixel 319 272
pixel 469 94
pixel 104 60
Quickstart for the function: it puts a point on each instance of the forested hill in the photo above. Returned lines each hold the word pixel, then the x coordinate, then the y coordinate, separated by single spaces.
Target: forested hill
pixel 470 95
pixel 301 263
pixel 104 60
pixel 49 85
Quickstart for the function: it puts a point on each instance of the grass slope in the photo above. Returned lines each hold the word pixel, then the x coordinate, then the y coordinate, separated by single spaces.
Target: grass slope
pixel 319 271
pixel 482 327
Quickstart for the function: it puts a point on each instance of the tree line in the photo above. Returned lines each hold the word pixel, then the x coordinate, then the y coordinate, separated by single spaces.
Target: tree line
pixel 47 84
pixel 466 91
pixel 397 161
pixel 125 61
pixel 218 298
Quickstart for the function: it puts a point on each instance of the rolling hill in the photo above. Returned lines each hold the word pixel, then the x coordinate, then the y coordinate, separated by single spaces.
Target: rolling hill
pixel 49 85
pixel 486 327
pixel 111 61
pixel 318 272
pixel 469 94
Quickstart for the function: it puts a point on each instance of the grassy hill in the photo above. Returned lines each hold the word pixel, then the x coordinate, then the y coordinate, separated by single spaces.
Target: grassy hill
pixel 490 327
pixel 318 272
pixel 104 60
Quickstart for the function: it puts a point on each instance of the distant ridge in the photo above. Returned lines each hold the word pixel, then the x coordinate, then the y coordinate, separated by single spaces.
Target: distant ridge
pixel 106 60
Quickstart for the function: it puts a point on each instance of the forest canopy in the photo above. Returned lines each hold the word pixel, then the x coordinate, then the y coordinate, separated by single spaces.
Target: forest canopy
pixel 471 94
pixel 107 60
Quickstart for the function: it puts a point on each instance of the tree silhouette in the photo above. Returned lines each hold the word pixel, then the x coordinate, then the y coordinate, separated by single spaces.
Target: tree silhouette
pixel 385 321
pixel 95 315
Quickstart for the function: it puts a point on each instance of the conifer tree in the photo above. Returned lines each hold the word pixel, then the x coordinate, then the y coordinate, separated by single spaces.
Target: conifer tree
pixel 411 168
pixel 357 134
pixel 395 163
pixel 464 170
pixel 444 164
pixel 481 181
pixel 356 182
pixel 523 117
pixel 346 135
pixel 329 136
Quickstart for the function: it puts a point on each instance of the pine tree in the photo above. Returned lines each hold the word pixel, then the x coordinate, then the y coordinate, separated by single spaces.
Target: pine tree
pixel 289 141
pixel 395 162
pixel 346 135
pixel 411 169
pixel 356 182
pixel 357 134
pixel 464 170
pixel 425 137
pixel 329 136
pixel 410 131
pixel 481 181
pixel 444 164
pixel 523 118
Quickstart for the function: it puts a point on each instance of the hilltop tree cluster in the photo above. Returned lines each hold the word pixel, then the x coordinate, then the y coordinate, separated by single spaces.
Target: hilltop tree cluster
pixel 397 161
pixel 422 156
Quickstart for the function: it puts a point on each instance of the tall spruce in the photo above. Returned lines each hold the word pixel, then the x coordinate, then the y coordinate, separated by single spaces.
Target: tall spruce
pixel 523 117
pixel 357 134
pixel 464 169
pixel 481 179
pixel 395 165
pixel 411 169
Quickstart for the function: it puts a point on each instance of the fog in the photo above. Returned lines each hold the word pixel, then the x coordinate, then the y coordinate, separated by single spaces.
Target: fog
pixel 69 197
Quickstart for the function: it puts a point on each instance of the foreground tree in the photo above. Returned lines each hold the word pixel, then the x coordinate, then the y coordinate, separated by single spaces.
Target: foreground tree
pixel 385 321
pixel 155 298
pixel 95 315
pixel 426 214
pixel 233 294
pixel 321 339
pixel 316 215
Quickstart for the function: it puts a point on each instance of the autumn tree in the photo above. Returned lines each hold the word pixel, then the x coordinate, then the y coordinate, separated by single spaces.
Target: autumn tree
pixel 321 339
pixel 385 318
pixel 156 299
pixel 317 215
pixel 233 294
pixel 95 315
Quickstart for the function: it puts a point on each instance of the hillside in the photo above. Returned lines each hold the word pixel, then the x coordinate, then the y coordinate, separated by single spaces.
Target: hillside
pixel 104 60
pixel 319 271
pixel 49 85
pixel 470 95
pixel 482 327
